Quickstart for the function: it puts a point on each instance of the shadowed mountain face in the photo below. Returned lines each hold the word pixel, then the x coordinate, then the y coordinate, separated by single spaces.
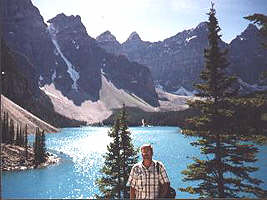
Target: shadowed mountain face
pixel 247 56
pixel 177 61
pixel 64 55
pixel 19 84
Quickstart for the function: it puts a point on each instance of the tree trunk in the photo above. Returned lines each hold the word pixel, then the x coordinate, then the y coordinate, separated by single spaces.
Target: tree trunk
pixel 219 167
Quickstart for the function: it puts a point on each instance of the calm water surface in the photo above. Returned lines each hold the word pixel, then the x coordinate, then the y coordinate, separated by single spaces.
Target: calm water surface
pixel 81 150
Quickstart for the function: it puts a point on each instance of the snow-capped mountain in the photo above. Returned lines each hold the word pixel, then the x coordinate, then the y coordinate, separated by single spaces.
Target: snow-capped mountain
pixel 183 92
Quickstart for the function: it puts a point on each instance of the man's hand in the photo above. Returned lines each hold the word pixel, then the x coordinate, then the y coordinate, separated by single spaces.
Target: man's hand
pixel 132 193
pixel 165 189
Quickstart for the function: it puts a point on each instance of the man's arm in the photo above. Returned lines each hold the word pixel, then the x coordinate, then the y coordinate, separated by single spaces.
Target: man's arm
pixel 164 180
pixel 132 193
pixel 165 188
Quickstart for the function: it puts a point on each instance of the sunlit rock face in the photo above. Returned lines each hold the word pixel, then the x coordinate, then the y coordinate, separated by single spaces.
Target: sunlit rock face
pixel 109 42
pixel 63 54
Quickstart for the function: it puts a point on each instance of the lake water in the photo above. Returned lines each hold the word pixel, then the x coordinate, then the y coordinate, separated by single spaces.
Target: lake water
pixel 81 150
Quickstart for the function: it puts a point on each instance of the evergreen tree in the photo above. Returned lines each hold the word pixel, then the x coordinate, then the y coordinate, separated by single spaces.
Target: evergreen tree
pixel 119 160
pixel 109 184
pixel 17 141
pixel 3 121
pixel 223 174
pixel 11 132
pixel 129 155
pixel 7 129
pixel 26 142
pixel 37 147
pixel 42 148
pixel 21 136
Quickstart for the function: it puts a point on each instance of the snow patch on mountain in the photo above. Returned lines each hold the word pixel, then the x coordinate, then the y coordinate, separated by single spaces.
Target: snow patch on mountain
pixel 190 38
pixel 158 86
pixel 71 69
pixel 40 80
pixel 49 93
pixel 75 44
pixel 102 71
pixel 54 75
pixel 244 86
pixel 182 91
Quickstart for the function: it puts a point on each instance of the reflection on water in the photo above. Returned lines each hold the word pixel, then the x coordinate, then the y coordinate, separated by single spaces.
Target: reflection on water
pixel 81 150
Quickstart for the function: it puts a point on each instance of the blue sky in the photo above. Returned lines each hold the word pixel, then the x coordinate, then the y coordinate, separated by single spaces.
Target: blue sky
pixel 153 20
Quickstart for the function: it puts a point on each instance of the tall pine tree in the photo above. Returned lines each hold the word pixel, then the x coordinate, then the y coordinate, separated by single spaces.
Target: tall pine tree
pixel 119 160
pixel 39 147
pixel 36 147
pixel 129 156
pixel 26 142
pixel 42 147
pixel 223 174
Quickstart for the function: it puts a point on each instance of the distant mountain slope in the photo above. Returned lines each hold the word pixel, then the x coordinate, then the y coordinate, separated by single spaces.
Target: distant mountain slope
pixel 110 98
pixel 23 117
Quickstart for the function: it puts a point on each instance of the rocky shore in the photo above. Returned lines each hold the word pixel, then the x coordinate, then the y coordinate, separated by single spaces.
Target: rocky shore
pixel 13 157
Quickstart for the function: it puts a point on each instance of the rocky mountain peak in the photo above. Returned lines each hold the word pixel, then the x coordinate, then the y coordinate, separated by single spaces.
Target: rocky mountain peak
pixel 202 25
pixel 202 28
pixel 250 30
pixel 62 18
pixel 106 37
pixel 134 37
pixel 67 23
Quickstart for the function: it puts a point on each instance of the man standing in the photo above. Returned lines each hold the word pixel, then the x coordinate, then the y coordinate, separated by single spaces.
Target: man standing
pixel 147 177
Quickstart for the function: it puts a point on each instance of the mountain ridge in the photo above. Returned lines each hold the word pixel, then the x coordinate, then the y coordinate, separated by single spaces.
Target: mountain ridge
pixel 177 60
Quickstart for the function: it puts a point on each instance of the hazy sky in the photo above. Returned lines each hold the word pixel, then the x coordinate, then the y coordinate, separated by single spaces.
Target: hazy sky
pixel 153 20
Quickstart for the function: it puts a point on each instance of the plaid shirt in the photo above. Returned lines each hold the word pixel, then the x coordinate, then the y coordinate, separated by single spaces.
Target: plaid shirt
pixel 146 181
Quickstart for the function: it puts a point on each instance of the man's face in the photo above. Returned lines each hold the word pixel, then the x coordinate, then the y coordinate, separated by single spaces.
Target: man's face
pixel 147 153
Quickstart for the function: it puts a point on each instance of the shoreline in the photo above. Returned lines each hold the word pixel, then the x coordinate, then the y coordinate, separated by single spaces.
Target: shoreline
pixel 13 158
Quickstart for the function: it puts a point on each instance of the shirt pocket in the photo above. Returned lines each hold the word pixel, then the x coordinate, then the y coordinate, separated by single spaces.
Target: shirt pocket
pixel 141 181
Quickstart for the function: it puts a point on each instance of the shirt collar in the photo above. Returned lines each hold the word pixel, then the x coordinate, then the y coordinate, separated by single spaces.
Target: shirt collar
pixel 151 166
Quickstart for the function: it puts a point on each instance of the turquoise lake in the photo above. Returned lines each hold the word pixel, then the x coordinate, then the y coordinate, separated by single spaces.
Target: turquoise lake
pixel 81 151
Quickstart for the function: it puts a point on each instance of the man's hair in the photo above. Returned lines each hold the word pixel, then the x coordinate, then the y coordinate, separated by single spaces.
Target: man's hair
pixel 146 145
